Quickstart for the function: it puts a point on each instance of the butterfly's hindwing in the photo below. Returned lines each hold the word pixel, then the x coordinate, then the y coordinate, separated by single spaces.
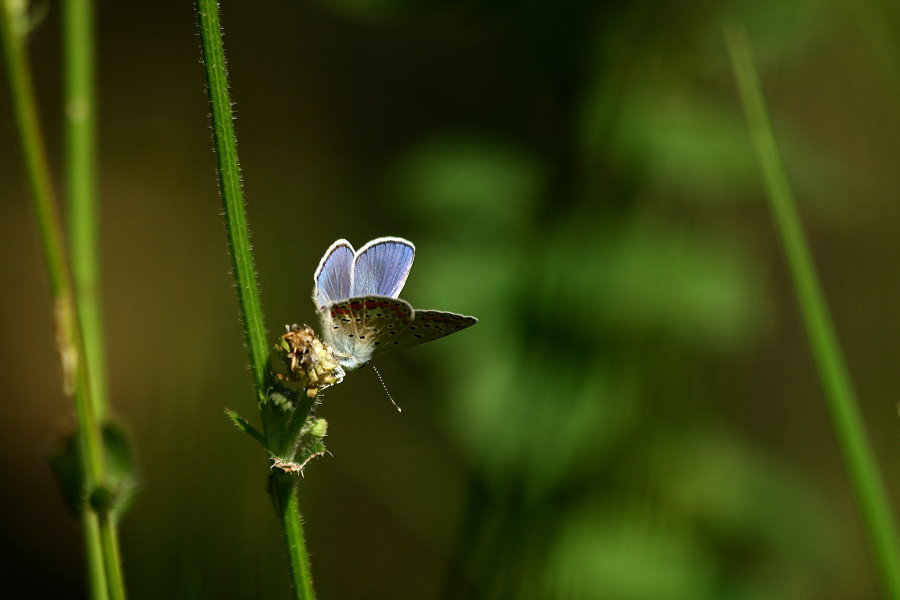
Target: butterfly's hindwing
pixel 430 325
pixel 362 327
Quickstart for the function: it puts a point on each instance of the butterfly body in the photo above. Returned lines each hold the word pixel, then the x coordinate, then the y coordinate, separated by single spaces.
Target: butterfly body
pixel 359 308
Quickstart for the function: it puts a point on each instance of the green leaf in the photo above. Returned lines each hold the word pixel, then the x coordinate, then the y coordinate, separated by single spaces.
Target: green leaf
pixel 309 451
pixel 121 481
pixel 121 469
pixel 242 424
pixel 66 466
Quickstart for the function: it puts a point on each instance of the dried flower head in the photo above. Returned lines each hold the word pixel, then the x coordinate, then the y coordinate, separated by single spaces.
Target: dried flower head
pixel 310 362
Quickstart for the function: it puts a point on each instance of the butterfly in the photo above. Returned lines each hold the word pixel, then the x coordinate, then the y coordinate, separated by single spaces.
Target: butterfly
pixel 362 316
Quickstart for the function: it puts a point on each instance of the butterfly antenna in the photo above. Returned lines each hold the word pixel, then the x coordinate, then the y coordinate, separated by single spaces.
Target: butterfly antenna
pixel 386 390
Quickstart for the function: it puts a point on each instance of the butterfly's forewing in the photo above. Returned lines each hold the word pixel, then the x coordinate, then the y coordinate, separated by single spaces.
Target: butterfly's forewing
pixel 380 267
pixel 361 327
pixel 332 278
pixel 430 325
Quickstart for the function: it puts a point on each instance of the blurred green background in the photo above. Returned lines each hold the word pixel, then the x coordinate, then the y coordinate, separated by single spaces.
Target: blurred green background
pixel 636 416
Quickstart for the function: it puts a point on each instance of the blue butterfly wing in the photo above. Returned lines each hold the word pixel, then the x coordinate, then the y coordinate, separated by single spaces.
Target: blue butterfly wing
pixel 381 267
pixel 332 278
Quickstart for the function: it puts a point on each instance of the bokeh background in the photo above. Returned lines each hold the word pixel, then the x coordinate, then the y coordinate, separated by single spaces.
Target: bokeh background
pixel 636 416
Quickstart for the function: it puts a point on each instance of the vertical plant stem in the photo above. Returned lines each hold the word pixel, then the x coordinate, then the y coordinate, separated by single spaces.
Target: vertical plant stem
pixel 13 22
pixel 96 558
pixel 32 143
pixel 232 193
pixel 284 495
pixel 112 556
pixel 839 393
pixel 283 489
pixel 79 110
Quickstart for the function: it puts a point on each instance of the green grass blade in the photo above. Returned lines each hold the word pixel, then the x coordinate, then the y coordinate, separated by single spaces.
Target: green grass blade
pixel 838 388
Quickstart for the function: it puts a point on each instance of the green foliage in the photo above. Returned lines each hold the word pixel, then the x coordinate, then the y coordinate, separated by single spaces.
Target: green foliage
pixel 121 483
pixel 626 557
pixel 293 435
pixel 243 425
pixel 472 181
pixel 560 388
pixel 600 302
pixel 679 138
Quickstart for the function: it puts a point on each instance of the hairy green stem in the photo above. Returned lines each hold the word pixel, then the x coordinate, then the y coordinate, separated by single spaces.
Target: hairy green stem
pixel 13 24
pixel 839 393
pixel 232 193
pixel 283 485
